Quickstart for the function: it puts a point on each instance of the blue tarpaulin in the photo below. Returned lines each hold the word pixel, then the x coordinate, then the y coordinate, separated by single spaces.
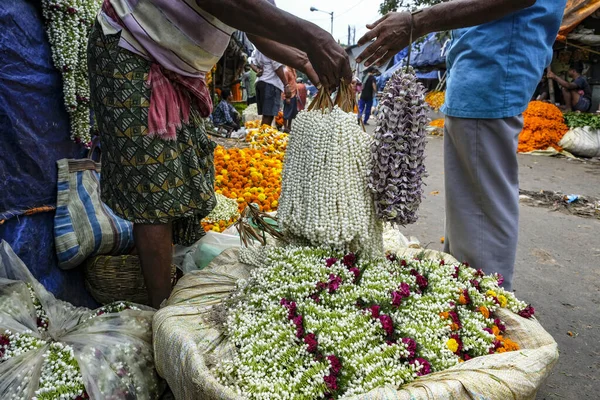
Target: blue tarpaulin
pixel 34 134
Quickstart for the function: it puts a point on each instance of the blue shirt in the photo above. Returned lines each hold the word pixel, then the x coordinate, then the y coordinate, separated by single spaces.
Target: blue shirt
pixel 494 68
pixel 222 114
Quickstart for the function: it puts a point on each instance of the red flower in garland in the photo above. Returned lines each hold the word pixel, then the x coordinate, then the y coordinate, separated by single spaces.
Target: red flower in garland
pixel 330 261
pixel 396 299
pixel 411 346
pixel 331 382
pixel 387 324
pixel 349 260
pixel 425 366
pixel 336 365
pixel 334 283
pixel 527 312
pixel 375 311
pixel 311 341
pixel 500 325
pixel 356 273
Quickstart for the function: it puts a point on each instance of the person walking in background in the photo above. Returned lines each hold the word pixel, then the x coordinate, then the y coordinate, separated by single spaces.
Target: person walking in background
pixel 490 83
pixel 302 94
pixel 249 83
pixel 369 90
pixel 290 99
pixel 577 94
pixel 271 83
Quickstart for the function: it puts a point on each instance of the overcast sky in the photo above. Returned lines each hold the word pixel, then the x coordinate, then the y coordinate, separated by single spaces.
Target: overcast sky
pixel 345 12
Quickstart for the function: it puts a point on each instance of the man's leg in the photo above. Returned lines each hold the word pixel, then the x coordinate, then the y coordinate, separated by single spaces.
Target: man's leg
pixel 482 192
pixel 368 107
pixel 361 108
pixel 154 244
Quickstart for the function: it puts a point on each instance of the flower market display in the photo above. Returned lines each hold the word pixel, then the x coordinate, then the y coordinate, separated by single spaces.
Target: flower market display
pixel 51 350
pixel 437 123
pixel 68 24
pixel 543 127
pixel 324 196
pixel 266 138
pixel 249 176
pixel 335 325
pixel 435 99
pixel 225 214
pixel 398 151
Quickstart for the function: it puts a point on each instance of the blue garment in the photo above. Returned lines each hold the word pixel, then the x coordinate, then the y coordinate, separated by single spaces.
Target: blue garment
pixel 222 114
pixel 494 68
pixel 365 106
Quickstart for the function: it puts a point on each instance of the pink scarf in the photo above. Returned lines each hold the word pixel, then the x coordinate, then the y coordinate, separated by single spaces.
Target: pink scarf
pixel 171 95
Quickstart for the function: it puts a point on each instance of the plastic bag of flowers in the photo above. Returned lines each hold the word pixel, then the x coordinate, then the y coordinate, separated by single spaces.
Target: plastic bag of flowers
pixel 308 323
pixel 50 349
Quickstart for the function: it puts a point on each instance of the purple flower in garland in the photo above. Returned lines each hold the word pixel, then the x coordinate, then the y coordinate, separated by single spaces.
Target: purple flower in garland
pixel 422 282
pixel 320 286
pixel 404 290
pixel 397 152
pixel 396 299
pixel 500 279
pixel 331 382
pixel 527 312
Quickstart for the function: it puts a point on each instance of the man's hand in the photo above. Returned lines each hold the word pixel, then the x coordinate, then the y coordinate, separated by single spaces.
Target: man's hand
pixel 329 61
pixel 551 75
pixel 259 72
pixel 391 34
pixel 288 92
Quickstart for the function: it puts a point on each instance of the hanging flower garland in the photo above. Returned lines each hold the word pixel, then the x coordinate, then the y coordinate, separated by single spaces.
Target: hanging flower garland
pixel 68 24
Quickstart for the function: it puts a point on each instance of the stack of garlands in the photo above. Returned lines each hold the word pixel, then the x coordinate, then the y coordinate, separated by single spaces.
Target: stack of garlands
pixel 435 99
pixel 268 139
pixel 324 197
pixel 398 151
pixel 249 176
pixel 311 323
pixel 543 127
pixel 68 25
pixel 225 214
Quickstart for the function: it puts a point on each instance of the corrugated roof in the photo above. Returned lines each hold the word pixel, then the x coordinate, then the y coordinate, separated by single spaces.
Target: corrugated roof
pixel 575 12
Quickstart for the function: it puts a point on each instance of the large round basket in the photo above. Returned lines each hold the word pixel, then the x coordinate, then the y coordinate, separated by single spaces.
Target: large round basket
pixel 117 278
pixel 188 341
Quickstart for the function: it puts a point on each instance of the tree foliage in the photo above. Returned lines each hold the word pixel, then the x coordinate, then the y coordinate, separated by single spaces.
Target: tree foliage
pixel 394 5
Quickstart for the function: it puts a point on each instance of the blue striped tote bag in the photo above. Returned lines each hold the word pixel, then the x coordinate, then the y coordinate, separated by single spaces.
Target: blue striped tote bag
pixel 83 225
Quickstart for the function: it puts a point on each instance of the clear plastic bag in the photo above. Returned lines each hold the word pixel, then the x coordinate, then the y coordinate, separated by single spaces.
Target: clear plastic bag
pixel 50 348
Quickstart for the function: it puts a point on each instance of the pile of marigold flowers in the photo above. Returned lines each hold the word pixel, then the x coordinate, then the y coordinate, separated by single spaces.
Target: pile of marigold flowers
pixel 249 176
pixel 435 99
pixel 267 138
pixel 252 124
pixel 543 127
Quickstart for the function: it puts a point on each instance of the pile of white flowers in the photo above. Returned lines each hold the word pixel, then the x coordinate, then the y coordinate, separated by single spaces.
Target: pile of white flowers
pixel 311 323
pixel 68 24
pixel 225 210
pixel 60 376
pixel 324 196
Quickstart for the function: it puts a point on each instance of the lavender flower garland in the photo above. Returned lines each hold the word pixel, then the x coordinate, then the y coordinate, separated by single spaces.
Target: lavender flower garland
pixel 398 150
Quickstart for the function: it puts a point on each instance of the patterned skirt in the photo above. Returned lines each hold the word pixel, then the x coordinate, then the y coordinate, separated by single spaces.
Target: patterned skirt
pixel 146 180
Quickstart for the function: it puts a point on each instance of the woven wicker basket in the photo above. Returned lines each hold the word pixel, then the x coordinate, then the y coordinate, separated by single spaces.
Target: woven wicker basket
pixel 118 278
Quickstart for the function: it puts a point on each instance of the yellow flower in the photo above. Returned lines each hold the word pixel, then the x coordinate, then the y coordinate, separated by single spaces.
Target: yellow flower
pixel 452 344
pixel 503 301
pixel 491 293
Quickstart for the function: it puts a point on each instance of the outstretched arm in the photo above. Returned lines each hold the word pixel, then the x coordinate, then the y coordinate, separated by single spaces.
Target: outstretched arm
pixel 562 82
pixel 285 55
pixel 392 32
pixel 259 18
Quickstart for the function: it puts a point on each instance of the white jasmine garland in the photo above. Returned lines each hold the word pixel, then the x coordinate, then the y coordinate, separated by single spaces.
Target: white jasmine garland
pixel 225 210
pixel 324 197
pixel 68 24
pixel 381 321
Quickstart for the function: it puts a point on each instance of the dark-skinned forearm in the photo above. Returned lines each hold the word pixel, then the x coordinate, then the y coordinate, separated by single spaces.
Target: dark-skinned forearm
pixel 281 53
pixel 262 19
pixel 565 84
pixel 465 13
